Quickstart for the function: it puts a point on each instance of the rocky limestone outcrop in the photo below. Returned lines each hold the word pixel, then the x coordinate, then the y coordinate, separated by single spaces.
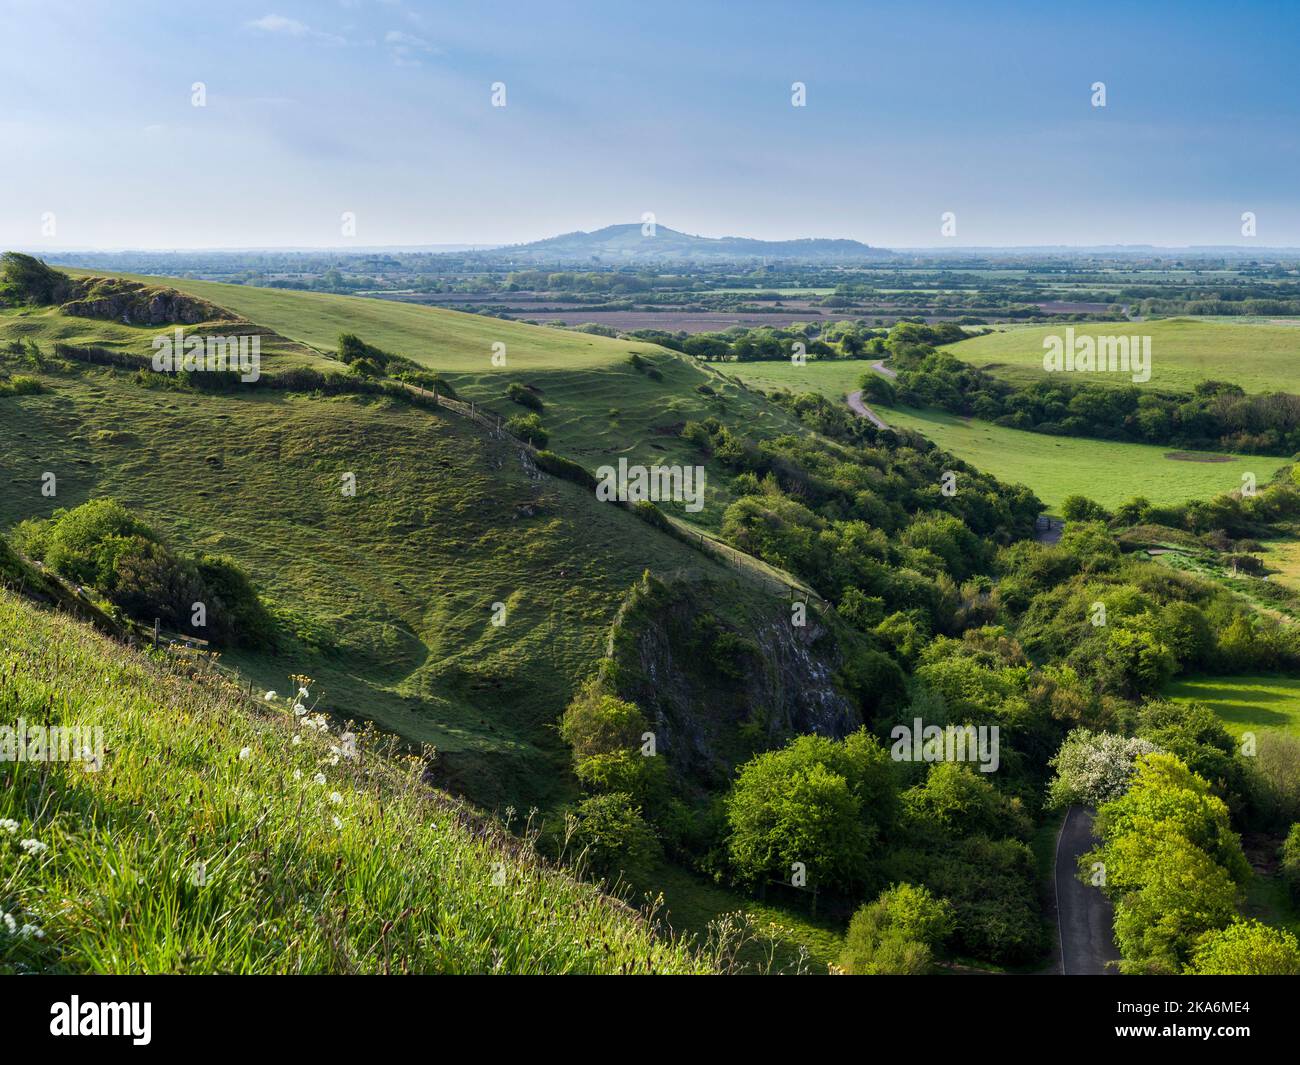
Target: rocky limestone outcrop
pixel 136 303
pixel 702 680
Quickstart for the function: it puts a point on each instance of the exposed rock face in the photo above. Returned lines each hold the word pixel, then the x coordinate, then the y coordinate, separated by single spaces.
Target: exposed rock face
pixel 136 303
pixel 699 681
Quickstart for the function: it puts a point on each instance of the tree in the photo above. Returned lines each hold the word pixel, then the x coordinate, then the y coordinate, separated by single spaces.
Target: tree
pixel 959 801
pixel 1095 767
pixel 817 802
pixel 1246 948
pixel 1081 508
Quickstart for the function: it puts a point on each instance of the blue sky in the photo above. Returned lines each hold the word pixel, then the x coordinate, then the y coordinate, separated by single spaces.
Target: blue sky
pixel 383 109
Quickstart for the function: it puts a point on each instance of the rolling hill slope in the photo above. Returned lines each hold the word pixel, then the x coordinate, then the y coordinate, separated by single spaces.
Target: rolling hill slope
pixel 598 406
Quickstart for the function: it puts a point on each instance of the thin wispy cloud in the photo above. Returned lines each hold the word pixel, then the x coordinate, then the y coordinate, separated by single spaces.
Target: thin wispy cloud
pixel 406 48
pixel 291 27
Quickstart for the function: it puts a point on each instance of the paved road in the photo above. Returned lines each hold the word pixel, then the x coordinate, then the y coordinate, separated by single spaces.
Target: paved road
pixel 863 411
pixel 1084 917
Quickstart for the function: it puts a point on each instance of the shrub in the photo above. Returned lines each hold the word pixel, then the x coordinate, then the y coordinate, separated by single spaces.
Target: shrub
pixel 528 427
pixel 81 542
pixel 958 801
pixel 1273 779
pixel 20 385
pixel 559 466
pixel 1081 508
pixel 524 396
pixel 596 722
pixel 895 934
pixel 613 837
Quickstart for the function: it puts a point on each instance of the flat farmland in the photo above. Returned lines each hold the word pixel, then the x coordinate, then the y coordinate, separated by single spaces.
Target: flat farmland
pixel 1054 467
pixel 1259 356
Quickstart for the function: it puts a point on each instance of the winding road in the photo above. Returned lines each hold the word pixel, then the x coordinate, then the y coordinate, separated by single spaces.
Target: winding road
pixel 861 409
pixel 1084 917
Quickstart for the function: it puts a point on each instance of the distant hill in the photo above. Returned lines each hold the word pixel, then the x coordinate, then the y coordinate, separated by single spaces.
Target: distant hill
pixel 627 243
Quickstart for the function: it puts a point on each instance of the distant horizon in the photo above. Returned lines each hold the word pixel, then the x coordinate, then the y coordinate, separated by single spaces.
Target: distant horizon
pixel 300 125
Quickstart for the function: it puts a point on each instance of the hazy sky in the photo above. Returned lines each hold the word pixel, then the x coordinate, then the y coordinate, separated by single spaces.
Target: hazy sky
pixel 384 109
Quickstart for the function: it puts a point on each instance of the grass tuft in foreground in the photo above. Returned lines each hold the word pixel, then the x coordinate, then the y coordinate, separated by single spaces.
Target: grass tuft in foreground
pixel 223 834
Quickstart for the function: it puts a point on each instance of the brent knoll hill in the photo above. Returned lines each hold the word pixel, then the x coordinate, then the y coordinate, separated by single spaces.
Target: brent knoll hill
pixel 629 244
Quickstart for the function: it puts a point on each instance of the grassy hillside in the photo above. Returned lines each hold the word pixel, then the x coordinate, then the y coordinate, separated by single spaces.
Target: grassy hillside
pixel 391 591
pixel 1184 351
pixel 598 407
pixel 1053 466
pixel 224 836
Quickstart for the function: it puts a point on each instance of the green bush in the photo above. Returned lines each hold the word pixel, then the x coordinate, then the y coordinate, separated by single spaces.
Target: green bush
pixel 559 466
pixel 611 837
pixel 524 396
pixel 818 802
pixel 894 935
pixel 596 722
pixel 103 545
pixel 528 427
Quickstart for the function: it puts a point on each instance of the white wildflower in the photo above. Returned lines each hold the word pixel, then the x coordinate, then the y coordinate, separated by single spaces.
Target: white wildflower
pixel 270 697
pixel 7 825
pixel 319 778
pixel 245 753
pixel 10 923
pixel 296 739
pixel 30 930
pixel 33 846
pixel 338 822
pixel 335 798
pixel 303 693
pixel 297 773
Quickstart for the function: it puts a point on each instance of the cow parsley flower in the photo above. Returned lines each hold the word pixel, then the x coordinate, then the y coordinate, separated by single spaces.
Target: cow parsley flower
pixel 33 846
pixel 8 825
